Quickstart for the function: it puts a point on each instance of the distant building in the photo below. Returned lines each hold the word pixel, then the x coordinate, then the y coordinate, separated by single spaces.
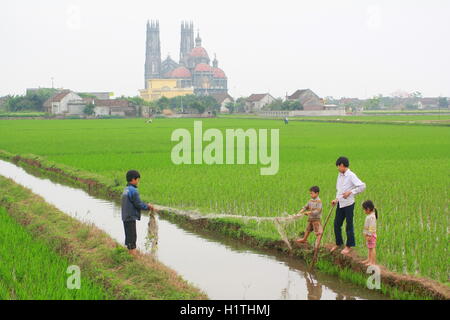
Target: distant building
pixel 64 102
pixel 331 107
pixel 223 99
pixel 112 107
pixel 308 99
pixel 258 101
pixel 115 107
pixel 169 88
pixel 194 68
pixel 68 103
pixel 428 103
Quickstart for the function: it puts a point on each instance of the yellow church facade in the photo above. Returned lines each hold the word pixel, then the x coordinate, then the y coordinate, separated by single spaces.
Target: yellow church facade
pixel 169 88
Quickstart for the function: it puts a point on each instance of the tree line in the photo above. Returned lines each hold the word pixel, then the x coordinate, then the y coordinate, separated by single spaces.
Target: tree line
pixel 33 100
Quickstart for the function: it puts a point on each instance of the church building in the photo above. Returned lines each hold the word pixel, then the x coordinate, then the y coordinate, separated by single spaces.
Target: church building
pixel 193 70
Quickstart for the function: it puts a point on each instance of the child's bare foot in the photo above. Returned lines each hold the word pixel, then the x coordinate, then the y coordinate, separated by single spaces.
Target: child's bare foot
pixel 346 250
pixel 334 248
pixel 365 261
pixel 301 240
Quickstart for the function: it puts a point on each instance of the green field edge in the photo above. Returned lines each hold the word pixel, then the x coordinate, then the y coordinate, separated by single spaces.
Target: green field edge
pixel 101 259
pixel 394 285
pixel 400 122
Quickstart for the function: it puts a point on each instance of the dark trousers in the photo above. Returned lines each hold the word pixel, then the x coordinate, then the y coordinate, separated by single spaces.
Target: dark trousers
pixel 130 234
pixel 347 215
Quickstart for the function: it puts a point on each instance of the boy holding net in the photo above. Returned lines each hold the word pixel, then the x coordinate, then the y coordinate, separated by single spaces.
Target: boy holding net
pixel 313 209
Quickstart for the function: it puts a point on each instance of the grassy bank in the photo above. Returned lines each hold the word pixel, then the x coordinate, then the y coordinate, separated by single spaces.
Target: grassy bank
pixel 22 114
pixel 107 268
pixel 30 270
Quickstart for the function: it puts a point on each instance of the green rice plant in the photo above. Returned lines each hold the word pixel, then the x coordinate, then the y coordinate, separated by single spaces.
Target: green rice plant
pixel 30 270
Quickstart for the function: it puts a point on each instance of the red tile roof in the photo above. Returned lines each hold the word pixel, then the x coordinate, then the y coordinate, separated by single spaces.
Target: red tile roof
pixel 180 72
pixel 256 97
pixel 203 67
pixel 57 97
pixel 219 73
pixel 199 52
pixel 220 97
pixel 297 94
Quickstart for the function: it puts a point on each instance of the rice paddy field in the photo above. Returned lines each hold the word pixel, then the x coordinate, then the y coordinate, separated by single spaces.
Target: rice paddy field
pixel 406 170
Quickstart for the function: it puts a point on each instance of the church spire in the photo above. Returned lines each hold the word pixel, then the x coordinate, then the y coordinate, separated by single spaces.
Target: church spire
pixel 186 40
pixel 153 52
pixel 215 62
pixel 198 40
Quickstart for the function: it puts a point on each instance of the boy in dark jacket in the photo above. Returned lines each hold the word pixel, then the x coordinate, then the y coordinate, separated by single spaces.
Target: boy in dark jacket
pixel 131 209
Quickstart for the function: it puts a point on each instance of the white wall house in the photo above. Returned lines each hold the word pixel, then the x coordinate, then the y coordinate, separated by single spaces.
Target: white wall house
pixel 256 102
pixel 65 102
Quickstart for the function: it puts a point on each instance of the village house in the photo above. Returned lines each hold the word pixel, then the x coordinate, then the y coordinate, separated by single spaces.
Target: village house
pixel 428 103
pixel 308 99
pixel 223 99
pixel 69 103
pixel 256 102
pixel 64 102
pixel 114 107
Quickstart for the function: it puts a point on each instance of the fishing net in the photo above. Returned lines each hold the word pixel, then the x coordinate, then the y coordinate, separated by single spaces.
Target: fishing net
pixel 281 223
pixel 151 243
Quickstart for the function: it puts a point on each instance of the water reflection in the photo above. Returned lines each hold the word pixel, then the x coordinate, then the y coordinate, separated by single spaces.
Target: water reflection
pixel 313 286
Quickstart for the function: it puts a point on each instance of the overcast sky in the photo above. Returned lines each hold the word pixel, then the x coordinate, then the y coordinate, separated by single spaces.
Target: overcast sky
pixel 341 48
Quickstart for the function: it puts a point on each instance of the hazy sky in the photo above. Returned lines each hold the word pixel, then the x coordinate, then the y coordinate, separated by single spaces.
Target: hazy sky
pixel 338 47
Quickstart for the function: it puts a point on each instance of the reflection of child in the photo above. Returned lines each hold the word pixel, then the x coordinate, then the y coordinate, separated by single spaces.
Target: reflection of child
pixel 313 209
pixel 370 231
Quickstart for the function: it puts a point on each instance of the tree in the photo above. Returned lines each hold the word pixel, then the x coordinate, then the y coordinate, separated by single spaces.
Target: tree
pixel 277 104
pixel 411 106
pixel 373 103
pixel 198 106
pixel 163 103
pixel 89 109
pixel 239 105
pixel 443 102
pixel 280 105
pixel 231 106
pixel 32 100
pixel 87 95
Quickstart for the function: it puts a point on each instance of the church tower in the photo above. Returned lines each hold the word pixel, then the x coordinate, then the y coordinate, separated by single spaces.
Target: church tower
pixel 153 52
pixel 187 40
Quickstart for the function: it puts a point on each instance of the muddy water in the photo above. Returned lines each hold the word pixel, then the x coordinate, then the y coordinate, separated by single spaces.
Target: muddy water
pixel 222 268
